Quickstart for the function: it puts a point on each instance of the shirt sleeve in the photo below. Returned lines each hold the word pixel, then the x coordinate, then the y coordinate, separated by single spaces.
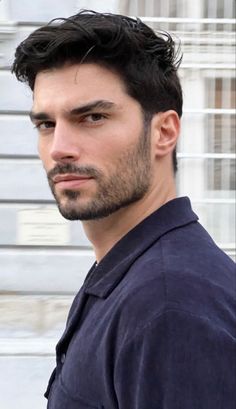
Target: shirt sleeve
pixel 178 361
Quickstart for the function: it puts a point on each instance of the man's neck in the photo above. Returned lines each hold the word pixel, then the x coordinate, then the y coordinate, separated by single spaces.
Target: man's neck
pixel 105 233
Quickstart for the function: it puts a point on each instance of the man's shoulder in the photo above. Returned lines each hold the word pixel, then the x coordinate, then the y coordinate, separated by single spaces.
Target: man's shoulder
pixel 191 254
pixel 183 271
pixel 187 252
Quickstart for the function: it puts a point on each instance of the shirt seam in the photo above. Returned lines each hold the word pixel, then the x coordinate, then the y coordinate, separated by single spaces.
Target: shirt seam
pixel 160 314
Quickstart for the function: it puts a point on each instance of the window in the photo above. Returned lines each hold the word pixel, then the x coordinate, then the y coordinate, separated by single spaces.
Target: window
pixel 220 138
pixel 223 9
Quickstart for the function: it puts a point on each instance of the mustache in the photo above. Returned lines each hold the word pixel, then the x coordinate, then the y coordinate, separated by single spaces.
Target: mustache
pixel 76 170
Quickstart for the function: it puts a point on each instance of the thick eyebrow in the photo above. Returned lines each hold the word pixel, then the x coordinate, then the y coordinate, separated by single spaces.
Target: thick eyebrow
pixel 38 116
pixel 100 104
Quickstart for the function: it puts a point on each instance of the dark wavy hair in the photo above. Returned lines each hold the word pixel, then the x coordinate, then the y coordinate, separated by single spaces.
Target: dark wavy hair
pixel 147 62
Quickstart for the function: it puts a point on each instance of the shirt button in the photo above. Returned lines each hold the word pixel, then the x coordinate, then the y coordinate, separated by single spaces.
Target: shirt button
pixel 63 358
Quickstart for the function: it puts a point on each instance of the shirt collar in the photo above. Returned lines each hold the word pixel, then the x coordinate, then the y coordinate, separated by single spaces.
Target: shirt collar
pixel 109 272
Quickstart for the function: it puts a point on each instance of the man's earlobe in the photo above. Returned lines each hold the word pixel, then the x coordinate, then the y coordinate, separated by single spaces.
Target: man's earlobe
pixel 166 128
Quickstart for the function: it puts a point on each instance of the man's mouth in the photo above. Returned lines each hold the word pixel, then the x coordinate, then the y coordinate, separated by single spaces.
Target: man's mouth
pixel 70 181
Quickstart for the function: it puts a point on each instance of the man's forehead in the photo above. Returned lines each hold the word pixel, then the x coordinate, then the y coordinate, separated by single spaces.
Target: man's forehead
pixel 75 72
pixel 88 81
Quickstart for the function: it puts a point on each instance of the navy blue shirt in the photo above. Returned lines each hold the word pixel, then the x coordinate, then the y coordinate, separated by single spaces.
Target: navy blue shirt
pixel 153 326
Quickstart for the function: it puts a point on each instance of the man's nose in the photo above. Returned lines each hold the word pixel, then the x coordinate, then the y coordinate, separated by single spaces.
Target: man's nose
pixel 65 148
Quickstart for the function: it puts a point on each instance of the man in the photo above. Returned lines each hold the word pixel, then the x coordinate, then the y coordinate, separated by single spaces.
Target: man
pixel 153 324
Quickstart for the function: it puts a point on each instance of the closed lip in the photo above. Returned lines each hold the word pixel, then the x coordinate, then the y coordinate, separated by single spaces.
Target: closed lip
pixel 69 177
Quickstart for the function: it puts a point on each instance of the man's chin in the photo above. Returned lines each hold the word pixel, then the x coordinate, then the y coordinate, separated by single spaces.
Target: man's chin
pixel 69 212
pixel 73 213
pixel 84 213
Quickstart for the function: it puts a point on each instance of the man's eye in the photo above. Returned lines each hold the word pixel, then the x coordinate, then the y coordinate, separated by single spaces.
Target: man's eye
pixel 96 117
pixel 44 125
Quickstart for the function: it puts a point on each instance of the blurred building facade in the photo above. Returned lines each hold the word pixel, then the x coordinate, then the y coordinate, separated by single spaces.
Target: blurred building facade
pixel 44 258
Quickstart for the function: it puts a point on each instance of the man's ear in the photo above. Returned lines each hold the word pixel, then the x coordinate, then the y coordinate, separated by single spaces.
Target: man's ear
pixel 166 129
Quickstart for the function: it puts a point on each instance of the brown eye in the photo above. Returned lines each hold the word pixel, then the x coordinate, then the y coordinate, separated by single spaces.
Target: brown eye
pixel 44 125
pixel 96 117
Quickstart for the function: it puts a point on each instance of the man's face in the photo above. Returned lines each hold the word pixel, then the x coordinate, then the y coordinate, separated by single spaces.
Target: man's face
pixel 93 141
